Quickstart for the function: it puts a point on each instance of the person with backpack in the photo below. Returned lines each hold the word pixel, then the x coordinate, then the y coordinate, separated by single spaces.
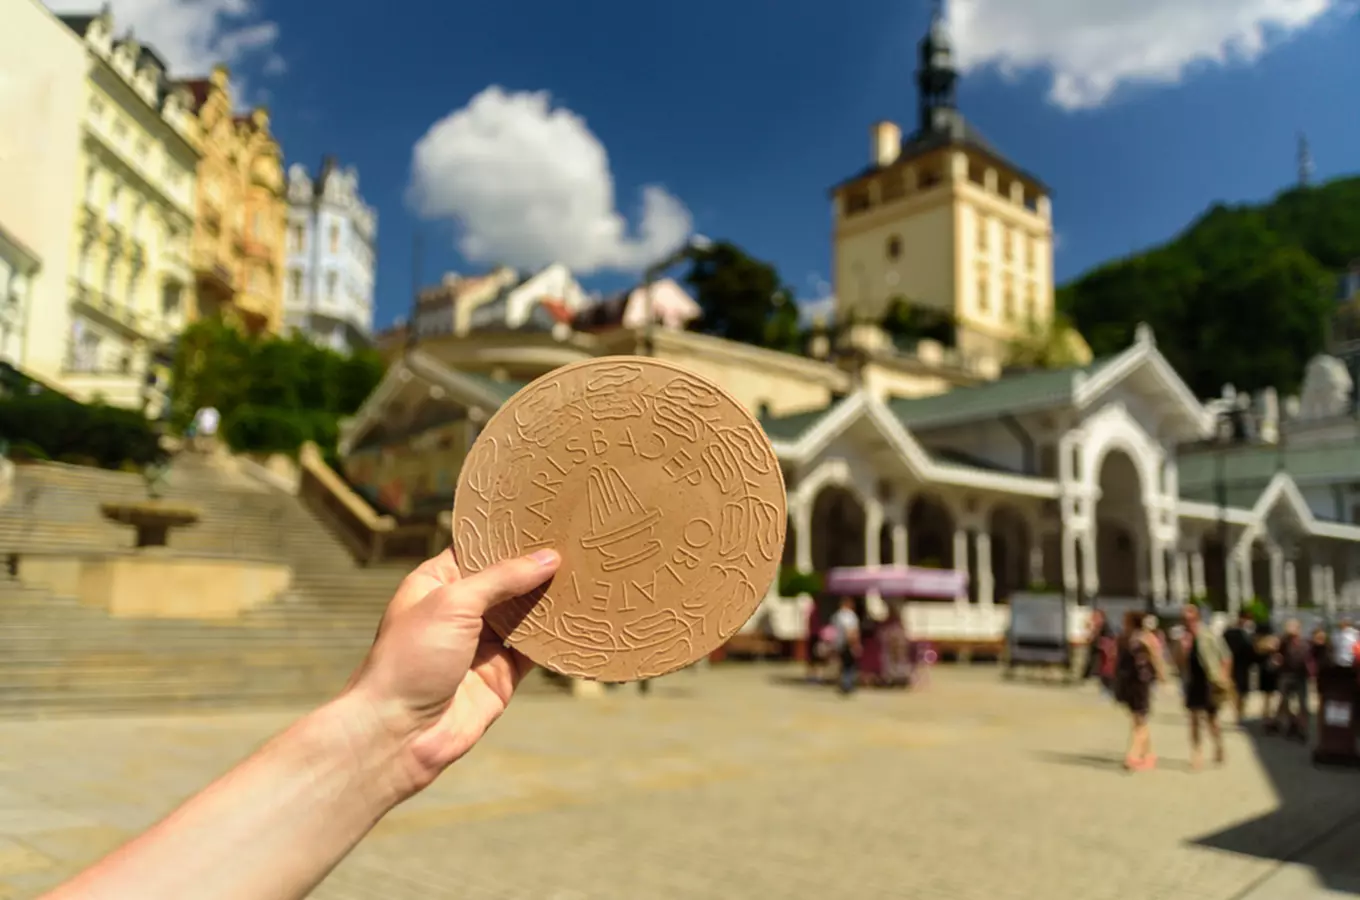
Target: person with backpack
pixel 1239 639
pixel 1102 648
pixel 1292 664
pixel 1138 666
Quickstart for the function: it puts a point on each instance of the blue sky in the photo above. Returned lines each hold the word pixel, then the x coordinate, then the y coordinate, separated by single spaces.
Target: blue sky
pixel 741 113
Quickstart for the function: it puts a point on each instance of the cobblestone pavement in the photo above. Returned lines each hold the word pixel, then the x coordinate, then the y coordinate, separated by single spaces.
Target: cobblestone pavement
pixel 736 782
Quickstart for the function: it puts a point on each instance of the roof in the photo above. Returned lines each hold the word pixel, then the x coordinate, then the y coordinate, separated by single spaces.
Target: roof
pixel 497 388
pixel 1013 394
pixel 1250 469
pixel 961 133
pixel 792 427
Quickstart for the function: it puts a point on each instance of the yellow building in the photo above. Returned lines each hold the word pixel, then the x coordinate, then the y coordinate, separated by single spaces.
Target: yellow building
pixel 130 284
pixel 239 232
pixel 943 221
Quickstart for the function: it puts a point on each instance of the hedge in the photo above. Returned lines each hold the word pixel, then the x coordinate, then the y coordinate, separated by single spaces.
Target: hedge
pixel 53 426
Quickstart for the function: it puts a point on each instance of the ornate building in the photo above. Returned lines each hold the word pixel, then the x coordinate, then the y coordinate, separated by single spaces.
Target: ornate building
pixel 42 106
pixel 238 239
pixel 1088 481
pixel 942 220
pixel 130 284
pixel 332 257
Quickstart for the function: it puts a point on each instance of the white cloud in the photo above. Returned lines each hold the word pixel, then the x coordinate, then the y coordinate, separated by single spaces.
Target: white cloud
pixel 1093 47
pixel 529 184
pixel 191 35
pixel 820 308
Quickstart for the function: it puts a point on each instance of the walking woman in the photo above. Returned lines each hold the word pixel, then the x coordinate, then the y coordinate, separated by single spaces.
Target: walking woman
pixel 1206 669
pixel 1138 666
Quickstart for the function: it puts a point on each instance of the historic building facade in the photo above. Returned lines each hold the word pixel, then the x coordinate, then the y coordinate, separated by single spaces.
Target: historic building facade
pixel 238 235
pixel 42 106
pixel 130 285
pixel 332 257
pixel 942 220
pixel 1099 481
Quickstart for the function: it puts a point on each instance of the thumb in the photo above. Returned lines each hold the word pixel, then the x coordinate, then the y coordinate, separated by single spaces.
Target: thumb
pixel 507 579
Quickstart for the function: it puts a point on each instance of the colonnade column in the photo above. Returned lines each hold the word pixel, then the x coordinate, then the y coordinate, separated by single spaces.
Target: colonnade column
pixel 982 542
pixel 873 527
pixel 802 533
pixel 961 562
pixel 1090 576
pixel 1071 585
pixel 899 543
pixel 1276 574
pixel 1180 578
pixel 1291 585
pixel 1198 584
pixel 1157 558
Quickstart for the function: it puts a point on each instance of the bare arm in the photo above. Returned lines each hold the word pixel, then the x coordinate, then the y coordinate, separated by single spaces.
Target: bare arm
pixel 274 826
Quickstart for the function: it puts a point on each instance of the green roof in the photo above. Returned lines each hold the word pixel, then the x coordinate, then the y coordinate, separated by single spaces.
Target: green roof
pixel 1254 467
pixel 1014 394
pixel 504 390
pixel 792 427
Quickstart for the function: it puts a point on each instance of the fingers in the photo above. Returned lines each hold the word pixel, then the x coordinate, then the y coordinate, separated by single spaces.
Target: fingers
pixel 432 573
pixel 507 580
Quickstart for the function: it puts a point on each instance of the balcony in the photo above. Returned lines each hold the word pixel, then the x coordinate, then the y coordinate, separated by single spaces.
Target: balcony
pixel 213 275
pixel 259 250
pixel 103 309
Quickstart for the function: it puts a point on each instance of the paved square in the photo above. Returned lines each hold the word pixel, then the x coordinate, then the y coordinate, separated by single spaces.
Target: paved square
pixel 735 782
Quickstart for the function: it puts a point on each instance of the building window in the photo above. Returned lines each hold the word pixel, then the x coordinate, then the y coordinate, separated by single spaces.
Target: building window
pixel 91 177
pixel 297 237
pixel 856 201
pixel 120 130
pixel 335 238
pixel 894 247
pixel 330 285
pixel 1031 302
pixel 981 232
pixel 170 299
pixel 115 201
pixel 1008 243
pixel 984 299
pixel 295 285
pixel 96 107
pixel 1008 302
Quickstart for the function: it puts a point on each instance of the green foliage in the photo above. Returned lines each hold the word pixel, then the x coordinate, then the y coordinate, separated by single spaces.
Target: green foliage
pixel 795 583
pixel 274 394
pixel 908 323
pixel 743 298
pixel 1258 610
pixel 49 425
pixel 1051 347
pixel 1241 297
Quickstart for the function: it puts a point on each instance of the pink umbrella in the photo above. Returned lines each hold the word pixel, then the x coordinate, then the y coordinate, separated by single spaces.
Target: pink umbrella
pixel 897 581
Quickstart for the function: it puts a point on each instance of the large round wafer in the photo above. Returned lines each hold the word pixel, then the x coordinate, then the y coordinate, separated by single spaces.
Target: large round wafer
pixel 660 491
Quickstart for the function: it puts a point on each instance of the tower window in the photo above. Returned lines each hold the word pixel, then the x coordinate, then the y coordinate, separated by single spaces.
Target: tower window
pixel 894 247
pixel 1029 253
pixel 856 201
pixel 1008 244
pixel 984 299
pixel 981 232
pixel 892 186
pixel 1008 303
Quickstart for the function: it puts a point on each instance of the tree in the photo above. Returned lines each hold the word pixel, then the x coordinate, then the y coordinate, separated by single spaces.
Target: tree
pixel 1052 346
pixel 742 298
pixel 273 393
pixel 1239 297
pixel 908 323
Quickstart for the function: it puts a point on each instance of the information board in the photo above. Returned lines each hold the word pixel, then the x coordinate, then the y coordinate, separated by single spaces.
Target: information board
pixel 1038 630
pixel 1115 609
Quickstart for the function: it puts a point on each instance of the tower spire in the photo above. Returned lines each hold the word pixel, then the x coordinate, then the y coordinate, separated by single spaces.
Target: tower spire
pixel 1305 161
pixel 936 77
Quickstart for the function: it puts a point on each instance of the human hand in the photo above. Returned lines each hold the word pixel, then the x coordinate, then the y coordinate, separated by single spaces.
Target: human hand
pixel 437 676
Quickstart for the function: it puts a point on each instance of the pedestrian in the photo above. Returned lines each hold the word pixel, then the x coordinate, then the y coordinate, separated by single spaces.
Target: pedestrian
pixel 1138 666
pixel 1102 649
pixel 1238 637
pixel 1344 642
pixel 1205 667
pixel 205 425
pixel 1268 673
pixel 1292 713
pixel 848 644
pixel 896 648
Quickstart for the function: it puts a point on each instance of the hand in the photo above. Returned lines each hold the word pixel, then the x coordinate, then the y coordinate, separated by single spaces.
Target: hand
pixel 437 676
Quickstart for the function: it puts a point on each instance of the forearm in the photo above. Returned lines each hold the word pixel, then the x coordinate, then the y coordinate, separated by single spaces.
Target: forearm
pixel 271 828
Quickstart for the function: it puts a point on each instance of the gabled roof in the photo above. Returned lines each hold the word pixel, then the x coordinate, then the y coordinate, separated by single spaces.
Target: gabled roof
pixel 1029 392
pixel 802 438
pixel 1076 387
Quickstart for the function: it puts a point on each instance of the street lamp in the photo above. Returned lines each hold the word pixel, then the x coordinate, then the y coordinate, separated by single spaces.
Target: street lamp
pixel 697 243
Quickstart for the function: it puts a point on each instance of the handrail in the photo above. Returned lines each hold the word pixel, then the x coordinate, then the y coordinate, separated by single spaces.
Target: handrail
pixel 311 461
pixel 363 531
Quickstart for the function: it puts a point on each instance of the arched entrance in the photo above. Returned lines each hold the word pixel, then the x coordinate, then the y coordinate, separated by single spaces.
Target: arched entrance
pixel 1121 528
pixel 1010 552
pixel 837 530
pixel 930 533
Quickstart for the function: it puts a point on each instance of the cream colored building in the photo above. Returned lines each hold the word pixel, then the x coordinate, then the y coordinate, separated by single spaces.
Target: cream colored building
pixel 239 241
pixel 942 220
pixel 43 69
pixel 130 286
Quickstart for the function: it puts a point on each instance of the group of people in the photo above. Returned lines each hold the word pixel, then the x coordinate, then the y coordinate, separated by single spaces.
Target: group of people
pixel 1214 671
pixel 859 648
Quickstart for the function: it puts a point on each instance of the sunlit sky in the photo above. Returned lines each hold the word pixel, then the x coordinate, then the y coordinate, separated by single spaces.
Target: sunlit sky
pixel 601 133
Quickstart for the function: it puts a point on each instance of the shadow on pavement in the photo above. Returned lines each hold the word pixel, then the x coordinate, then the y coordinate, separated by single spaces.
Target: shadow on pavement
pixel 1113 762
pixel 1305 826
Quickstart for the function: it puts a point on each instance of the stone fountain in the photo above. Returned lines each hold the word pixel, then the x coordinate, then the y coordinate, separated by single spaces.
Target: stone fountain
pixel 152 518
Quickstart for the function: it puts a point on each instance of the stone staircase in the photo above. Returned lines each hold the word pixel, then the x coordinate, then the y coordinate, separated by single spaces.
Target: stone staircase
pixel 59 657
